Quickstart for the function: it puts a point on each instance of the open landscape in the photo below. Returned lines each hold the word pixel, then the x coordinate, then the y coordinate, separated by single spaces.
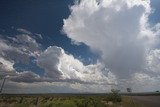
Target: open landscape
pixel 65 101
pixel 78 100
pixel 79 53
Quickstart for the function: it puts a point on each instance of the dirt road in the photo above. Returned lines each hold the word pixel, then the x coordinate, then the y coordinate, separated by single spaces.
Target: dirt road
pixel 148 101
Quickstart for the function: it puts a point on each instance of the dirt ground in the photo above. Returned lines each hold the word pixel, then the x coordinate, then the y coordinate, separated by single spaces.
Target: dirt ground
pixel 147 101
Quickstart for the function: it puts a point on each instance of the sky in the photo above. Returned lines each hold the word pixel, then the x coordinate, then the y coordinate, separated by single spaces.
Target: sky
pixel 76 46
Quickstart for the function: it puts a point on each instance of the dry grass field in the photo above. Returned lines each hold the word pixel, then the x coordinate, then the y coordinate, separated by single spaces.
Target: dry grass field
pixel 66 101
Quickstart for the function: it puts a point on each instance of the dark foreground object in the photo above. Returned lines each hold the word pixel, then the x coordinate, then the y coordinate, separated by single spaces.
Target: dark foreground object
pixel 147 101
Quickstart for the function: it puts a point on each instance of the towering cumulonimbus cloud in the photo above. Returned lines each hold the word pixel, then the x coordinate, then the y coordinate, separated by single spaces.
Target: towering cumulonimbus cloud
pixel 119 29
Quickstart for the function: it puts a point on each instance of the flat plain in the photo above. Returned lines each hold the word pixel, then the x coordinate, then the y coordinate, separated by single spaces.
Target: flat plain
pixel 72 100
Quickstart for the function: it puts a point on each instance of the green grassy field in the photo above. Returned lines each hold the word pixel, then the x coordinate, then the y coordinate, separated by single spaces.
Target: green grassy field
pixel 66 101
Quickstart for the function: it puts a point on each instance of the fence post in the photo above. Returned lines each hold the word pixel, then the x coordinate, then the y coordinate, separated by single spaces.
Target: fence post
pixel 2 85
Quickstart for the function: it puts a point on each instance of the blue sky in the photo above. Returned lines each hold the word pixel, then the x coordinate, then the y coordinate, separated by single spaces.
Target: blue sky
pixel 155 17
pixel 45 18
pixel 48 24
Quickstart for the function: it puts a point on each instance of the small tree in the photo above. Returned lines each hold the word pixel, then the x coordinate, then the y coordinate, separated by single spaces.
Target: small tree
pixel 114 96
pixel 129 90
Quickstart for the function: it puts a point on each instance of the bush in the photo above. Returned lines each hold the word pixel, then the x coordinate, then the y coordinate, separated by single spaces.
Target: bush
pixel 114 96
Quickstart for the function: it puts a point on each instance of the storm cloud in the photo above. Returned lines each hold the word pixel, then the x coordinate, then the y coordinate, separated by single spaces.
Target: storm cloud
pixel 119 29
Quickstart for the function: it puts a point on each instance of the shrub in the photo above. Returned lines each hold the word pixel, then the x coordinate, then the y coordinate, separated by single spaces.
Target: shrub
pixel 114 96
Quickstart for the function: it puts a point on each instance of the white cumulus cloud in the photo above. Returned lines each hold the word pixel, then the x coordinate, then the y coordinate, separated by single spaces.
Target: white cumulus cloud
pixel 119 29
pixel 64 67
